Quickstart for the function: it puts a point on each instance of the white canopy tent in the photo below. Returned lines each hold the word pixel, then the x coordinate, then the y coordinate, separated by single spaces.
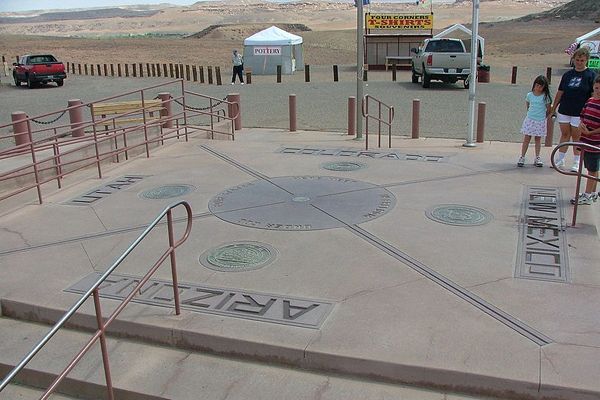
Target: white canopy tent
pixel 451 32
pixel 267 49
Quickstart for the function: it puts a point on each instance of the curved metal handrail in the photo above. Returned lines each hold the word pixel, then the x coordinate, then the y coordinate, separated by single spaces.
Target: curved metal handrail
pixel 578 144
pixel 93 291
pixel 379 119
pixel 579 174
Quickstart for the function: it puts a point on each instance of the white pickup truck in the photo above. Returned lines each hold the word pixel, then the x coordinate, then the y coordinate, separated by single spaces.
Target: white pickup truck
pixel 441 59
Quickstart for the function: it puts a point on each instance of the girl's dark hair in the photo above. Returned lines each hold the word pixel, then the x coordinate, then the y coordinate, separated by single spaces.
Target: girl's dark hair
pixel 597 80
pixel 542 80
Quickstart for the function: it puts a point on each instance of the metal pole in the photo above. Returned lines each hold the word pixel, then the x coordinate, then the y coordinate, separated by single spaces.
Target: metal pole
pixel 473 76
pixel 359 67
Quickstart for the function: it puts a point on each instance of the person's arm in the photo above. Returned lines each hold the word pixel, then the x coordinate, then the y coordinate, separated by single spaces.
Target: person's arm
pixel 526 106
pixel 557 98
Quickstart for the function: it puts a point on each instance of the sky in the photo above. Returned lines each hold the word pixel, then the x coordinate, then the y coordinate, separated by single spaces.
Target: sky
pixel 24 5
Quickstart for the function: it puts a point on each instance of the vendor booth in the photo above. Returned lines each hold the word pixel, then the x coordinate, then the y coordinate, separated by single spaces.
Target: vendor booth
pixel 390 36
pixel 267 49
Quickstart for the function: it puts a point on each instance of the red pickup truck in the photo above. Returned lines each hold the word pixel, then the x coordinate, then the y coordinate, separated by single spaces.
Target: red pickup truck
pixel 38 68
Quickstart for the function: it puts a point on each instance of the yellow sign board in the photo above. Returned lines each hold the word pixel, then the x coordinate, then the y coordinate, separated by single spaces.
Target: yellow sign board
pixel 399 21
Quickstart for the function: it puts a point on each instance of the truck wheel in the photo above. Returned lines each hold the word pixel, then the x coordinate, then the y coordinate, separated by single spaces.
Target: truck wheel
pixel 426 79
pixel 60 82
pixel 17 81
pixel 30 83
pixel 466 83
pixel 415 77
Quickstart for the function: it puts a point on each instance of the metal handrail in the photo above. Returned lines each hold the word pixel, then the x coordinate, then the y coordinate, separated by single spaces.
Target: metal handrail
pixel 379 119
pixel 40 168
pixel 233 111
pixel 94 291
pixel 579 174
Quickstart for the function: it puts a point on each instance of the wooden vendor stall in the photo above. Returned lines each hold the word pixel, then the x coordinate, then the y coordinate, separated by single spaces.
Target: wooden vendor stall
pixel 389 37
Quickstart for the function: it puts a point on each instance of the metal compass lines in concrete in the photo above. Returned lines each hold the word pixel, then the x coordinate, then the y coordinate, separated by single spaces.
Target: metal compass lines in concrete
pixel 305 203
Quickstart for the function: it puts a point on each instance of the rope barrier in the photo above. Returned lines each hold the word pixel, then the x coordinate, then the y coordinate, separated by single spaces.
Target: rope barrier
pixel 200 108
pixel 49 122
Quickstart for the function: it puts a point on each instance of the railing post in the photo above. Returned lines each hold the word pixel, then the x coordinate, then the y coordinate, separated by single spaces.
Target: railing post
pixel 393 72
pixel 76 117
pixel 173 262
pixel 416 112
pixel 103 346
pixel 549 74
pixel 292 112
pixel 279 74
pixel 513 78
pixel 352 115
pixel 306 73
pixel 480 122
pixel 335 73
pixel 20 128
pixel 235 98
pixel 167 111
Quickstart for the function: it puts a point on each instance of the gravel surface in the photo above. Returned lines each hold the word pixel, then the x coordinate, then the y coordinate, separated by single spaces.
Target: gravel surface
pixel 321 104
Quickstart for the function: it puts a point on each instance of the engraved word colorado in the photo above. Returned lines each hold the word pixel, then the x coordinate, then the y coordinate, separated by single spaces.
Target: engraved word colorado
pixel 235 303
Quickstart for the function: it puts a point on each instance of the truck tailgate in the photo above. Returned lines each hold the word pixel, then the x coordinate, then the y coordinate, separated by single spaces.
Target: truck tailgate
pixel 48 68
pixel 457 61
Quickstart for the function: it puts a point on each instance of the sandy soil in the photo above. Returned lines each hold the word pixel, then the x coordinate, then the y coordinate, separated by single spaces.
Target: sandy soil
pixel 332 39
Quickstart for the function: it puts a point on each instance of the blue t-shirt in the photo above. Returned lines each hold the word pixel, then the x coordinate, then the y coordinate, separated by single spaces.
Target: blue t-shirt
pixel 537 106
pixel 577 88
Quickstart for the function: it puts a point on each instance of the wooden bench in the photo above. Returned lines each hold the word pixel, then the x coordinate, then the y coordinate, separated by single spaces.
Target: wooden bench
pixel 392 61
pixel 127 112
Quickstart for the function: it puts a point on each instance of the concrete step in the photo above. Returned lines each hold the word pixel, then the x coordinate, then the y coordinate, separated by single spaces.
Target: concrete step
pixel 141 371
pixel 21 392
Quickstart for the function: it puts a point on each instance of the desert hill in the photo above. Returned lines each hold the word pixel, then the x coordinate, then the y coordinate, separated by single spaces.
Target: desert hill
pixel 577 9
pixel 328 29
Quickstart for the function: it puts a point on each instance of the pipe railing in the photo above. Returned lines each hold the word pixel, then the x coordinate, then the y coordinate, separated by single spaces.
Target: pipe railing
pixel 381 108
pixel 51 152
pixel 579 174
pixel 216 111
pixel 93 291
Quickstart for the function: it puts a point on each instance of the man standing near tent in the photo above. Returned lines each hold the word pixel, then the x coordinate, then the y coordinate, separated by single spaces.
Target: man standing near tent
pixel 238 67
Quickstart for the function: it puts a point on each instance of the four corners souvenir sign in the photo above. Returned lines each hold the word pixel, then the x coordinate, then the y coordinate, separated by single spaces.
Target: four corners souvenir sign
pixel 408 21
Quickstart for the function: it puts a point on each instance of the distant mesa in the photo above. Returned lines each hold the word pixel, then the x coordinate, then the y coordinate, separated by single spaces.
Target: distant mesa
pixel 244 30
pixel 80 14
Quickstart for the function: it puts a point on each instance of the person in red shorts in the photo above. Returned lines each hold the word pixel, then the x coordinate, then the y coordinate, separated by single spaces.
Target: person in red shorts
pixel 590 134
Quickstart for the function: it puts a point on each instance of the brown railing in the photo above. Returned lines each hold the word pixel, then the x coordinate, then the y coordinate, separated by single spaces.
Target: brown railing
pixel 579 173
pixel 381 109
pixel 100 334
pixel 50 153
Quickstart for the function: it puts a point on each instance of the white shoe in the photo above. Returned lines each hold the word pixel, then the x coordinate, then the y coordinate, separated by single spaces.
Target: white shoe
pixel 521 162
pixel 559 163
pixel 242 83
pixel 538 162
pixel 575 167
pixel 232 83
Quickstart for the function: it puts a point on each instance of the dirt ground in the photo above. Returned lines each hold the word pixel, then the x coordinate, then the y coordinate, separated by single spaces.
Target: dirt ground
pixel 332 39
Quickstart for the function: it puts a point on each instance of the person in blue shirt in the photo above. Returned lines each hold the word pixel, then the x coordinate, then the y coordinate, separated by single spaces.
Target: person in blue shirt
pixel 538 108
pixel 574 90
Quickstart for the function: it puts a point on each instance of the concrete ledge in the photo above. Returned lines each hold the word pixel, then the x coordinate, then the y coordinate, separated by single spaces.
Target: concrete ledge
pixel 272 353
